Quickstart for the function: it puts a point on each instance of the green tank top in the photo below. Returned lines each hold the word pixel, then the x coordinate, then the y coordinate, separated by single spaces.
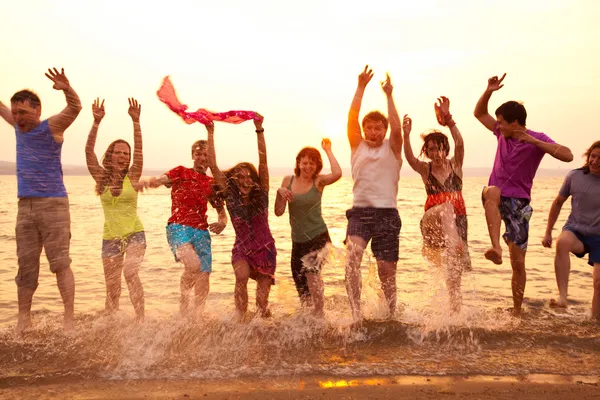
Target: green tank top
pixel 305 215
pixel 120 212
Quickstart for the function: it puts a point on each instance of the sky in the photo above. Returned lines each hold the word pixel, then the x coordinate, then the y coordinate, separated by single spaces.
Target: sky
pixel 297 64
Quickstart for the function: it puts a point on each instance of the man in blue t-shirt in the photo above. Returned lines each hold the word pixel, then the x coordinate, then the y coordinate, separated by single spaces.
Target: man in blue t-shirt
pixel 43 219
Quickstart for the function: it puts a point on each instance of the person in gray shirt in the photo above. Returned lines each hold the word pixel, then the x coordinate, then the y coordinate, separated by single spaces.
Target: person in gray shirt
pixel 581 233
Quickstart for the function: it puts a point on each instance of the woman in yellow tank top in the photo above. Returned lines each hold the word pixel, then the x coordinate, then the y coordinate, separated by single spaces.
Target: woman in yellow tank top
pixel 117 183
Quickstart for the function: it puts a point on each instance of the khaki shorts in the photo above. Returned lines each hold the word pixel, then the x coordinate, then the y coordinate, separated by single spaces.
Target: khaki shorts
pixel 42 222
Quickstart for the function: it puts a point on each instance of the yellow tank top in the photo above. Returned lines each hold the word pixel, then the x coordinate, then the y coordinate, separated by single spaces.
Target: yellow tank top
pixel 120 212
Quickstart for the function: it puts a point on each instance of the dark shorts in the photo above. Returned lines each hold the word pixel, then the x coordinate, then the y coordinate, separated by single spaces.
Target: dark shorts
pixel 381 226
pixel 515 213
pixel 591 246
pixel 118 247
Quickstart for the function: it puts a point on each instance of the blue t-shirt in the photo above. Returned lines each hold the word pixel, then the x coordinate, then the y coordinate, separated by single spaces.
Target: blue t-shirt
pixel 39 168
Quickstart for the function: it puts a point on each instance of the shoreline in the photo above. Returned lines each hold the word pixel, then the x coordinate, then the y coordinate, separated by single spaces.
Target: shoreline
pixel 534 386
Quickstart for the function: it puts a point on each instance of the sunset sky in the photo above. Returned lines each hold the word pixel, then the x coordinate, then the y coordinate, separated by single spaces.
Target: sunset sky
pixel 297 64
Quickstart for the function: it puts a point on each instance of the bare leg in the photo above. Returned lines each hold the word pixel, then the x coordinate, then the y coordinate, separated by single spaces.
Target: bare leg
pixel 131 266
pixel 491 204
pixel 66 287
pixel 596 298
pixel 242 274
pixel 519 276
pixel 315 285
pixel 202 287
pixel 187 255
pixel 25 298
pixel 356 247
pixel 263 287
pixel 566 243
pixel 387 276
pixel 440 224
pixel 113 267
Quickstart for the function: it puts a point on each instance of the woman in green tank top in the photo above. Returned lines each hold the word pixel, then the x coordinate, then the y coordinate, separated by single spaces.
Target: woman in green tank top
pixel 303 192
pixel 117 183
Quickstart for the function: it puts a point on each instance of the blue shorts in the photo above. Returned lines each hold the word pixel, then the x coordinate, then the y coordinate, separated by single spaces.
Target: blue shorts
pixel 379 225
pixel 515 213
pixel 118 247
pixel 178 235
pixel 591 246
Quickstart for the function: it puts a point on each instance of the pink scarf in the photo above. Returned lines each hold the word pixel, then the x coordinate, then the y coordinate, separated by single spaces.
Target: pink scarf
pixel 167 95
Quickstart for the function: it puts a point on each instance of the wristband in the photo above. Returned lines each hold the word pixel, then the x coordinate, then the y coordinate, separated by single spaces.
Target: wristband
pixel 261 130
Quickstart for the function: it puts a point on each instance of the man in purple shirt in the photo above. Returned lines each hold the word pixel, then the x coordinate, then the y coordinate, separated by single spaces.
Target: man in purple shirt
pixel 508 193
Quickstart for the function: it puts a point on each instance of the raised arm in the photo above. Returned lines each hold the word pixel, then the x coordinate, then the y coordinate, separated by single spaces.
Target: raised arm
pixel 91 160
pixel 394 119
pixel 336 170
pixel 481 109
pixel 135 172
pixel 263 167
pixel 416 164
pixel 61 121
pixel 6 114
pixel 218 175
pixel 284 195
pixel 442 113
pixel 552 217
pixel 354 131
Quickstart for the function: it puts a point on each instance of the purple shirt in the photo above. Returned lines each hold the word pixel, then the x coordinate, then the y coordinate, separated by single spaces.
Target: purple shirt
pixel 516 164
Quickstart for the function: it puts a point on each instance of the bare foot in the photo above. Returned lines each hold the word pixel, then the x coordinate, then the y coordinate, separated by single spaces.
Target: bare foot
pixel 318 313
pixel 265 313
pixel 515 312
pixel 22 324
pixel 68 324
pixel 494 255
pixel 557 304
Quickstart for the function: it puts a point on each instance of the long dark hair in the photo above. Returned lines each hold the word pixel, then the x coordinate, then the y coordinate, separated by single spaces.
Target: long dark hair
pixel 588 152
pixel 254 197
pixel 107 165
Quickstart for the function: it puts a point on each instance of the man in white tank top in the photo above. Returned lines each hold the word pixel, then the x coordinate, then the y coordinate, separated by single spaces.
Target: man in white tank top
pixel 376 163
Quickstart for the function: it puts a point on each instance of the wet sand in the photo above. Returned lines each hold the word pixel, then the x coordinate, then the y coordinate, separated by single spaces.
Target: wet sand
pixel 546 387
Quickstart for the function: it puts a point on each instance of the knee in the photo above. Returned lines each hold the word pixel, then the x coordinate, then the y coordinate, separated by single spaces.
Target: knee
pixel 130 273
pixel 563 245
pixel 60 265
pixel 492 195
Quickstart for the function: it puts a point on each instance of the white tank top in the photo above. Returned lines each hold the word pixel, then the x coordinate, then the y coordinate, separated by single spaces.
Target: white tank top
pixel 376 173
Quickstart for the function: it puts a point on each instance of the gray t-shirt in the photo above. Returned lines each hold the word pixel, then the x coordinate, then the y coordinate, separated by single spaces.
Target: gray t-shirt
pixel 585 202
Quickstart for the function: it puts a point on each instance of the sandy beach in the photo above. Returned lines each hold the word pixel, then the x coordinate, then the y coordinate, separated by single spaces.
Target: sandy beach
pixel 547 387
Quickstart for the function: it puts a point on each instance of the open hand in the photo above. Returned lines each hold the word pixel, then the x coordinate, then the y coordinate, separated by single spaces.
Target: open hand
pixel 59 78
pixel 135 109
pixel 216 227
pixel 98 110
pixel 494 83
pixel 406 124
pixel 442 109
